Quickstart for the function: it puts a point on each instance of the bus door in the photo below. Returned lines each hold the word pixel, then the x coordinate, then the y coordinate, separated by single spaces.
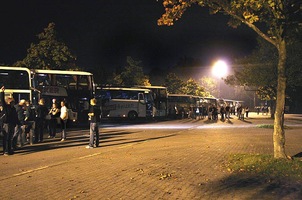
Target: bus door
pixel 147 103
pixel 142 106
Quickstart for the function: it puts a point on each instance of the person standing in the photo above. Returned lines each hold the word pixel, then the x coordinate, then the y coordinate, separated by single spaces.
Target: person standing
pixel 258 110
pixel 64 118
pixel 215 112
pixel 54 112
pixel 1 123
pixel 94 118
pixel 242 113
pixel 40 121
pixel 19 135
pixel 9 120
pixel 238 111
pixel 30 117
pixel 222 112
pixel 227 111
pixel 210 112
pixel 247 112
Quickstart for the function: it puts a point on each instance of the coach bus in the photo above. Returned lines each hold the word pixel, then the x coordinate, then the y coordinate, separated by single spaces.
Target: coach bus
pixel 122 102
pixel 75 87
pixel 180 105
pixel 160 97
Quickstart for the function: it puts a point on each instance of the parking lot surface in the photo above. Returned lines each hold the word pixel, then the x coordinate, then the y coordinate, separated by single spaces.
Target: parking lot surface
pixel 178 159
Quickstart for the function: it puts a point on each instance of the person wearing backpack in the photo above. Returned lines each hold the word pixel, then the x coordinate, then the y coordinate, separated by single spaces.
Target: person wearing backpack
pixel 41 112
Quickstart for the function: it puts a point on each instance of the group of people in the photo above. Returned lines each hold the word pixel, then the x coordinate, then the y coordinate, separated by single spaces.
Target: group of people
pixel 224 111
pixel 213 112
pixel 243 111
pixel 21 123
pixel 264 109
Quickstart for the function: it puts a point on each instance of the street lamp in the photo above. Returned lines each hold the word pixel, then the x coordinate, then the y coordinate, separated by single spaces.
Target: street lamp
pixel 219 70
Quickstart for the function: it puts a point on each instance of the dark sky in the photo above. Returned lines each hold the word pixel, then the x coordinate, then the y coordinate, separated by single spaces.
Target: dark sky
pixel 103 32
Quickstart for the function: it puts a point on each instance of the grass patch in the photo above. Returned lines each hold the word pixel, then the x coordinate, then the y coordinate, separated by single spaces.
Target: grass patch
pixel 265 165
pixel 269 126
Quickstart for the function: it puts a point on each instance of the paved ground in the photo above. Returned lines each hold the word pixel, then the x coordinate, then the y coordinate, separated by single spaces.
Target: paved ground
pixel 180 160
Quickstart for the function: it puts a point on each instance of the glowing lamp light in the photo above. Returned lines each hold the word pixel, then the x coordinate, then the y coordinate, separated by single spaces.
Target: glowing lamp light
pixel 219 69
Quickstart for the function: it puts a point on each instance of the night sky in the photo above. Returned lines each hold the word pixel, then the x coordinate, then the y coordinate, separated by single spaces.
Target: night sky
pixel 103 33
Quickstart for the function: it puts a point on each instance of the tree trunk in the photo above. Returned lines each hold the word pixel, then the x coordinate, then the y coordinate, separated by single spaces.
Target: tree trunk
pixel 279 134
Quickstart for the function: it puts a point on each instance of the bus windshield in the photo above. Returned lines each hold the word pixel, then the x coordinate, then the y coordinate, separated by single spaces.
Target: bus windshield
pixel 119 94
pixel 74 87
pixel 68 81
pixel 14 79
pixel 181 99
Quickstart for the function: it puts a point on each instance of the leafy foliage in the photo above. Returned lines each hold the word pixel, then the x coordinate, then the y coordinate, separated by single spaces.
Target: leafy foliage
pixel 209 84
pixel 131 75
pixel 174 83
pixel 177 86
pixel 260 69
pixel 49 53
pixel 192 87
pixel 278 16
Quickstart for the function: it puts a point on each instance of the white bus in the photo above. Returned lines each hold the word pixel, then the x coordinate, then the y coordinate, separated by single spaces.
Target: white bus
pixel 160 97
pixel 75 87
pixel 131 103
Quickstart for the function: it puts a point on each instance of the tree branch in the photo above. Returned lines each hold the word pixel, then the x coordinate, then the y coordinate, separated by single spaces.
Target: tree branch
pixel 253 27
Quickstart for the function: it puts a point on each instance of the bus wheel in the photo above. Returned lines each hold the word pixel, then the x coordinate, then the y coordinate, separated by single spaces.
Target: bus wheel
pixel 132 115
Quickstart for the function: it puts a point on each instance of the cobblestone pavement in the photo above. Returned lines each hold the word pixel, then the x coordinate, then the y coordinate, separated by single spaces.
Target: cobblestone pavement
pixel 185 161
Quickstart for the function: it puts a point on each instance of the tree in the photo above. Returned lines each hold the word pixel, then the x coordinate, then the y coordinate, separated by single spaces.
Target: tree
pixel 192 87
pixel 174 84
pixel 209 84
pixel 49 53
pixel 270 19
pixel 131 75
pixel 259 70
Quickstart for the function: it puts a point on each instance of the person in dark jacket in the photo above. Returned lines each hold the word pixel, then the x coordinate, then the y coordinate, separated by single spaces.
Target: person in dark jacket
pixel 19 135
pixel 1 120
pixel 30 117
pixel 41 111
pixel 9 120
pixel 94 118
pixel 54 113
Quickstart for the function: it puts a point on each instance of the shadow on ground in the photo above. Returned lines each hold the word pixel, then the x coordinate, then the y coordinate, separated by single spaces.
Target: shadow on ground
pixel 111 138
pixel 250 187
pixel 298 155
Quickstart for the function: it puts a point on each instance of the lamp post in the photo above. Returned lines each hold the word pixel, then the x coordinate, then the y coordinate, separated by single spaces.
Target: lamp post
pixel 219 70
